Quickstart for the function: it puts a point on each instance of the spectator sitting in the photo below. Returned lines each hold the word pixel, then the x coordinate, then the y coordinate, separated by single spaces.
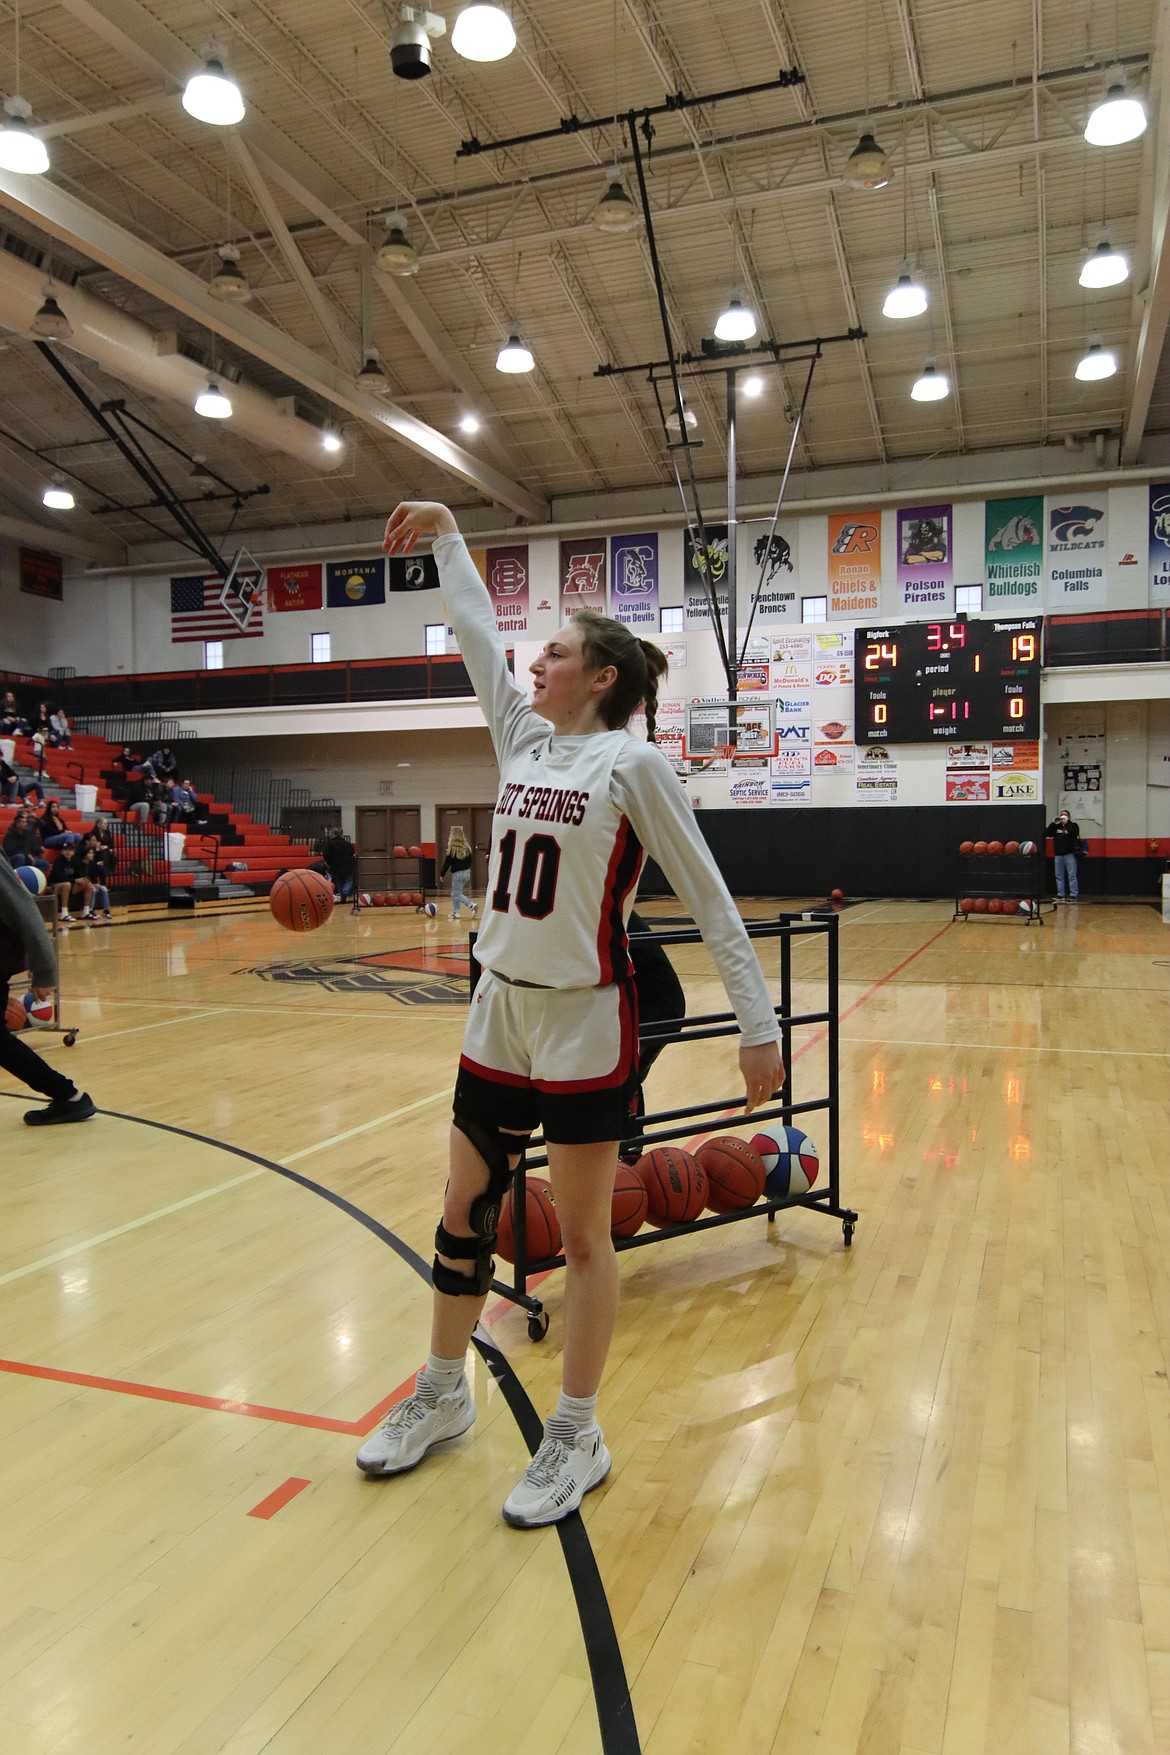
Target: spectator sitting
pixel 183 802
pixel 137 799
pixel 128 761
pixel 159 794
pixel 10 787
pixel 41 723
pixel 163 763
pixel 60 731
pixel 53 830
pixel 68 879
pixel 12 721
pixel 23 844
pixel 96 867
pixel 340 862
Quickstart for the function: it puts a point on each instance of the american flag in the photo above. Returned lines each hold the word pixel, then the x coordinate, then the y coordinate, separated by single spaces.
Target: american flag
pixel 197 614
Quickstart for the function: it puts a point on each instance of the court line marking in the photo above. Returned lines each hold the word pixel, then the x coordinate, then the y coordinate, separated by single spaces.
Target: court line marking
pixel 278 1499
pixel 366 1126
pixel 1011 1047
pixel 185 1398
pixel 133 1029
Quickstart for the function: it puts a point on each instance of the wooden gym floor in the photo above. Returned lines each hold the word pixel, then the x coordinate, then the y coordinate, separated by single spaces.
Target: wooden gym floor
pixel 905 1499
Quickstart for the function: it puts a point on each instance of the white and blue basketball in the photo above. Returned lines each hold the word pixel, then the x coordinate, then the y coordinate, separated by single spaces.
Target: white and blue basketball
pixel 38 1011
pixel 33 878
pixel 791 1161
pixel 429 910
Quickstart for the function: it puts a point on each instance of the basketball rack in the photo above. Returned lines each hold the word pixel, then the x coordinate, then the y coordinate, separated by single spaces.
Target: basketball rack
pixel 669 1125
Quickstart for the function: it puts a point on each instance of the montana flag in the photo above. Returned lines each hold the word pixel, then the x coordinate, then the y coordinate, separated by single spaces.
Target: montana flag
pixel 353 584
pixel 197 612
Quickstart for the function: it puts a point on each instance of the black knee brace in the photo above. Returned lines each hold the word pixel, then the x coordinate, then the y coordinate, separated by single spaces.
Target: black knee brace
pixel 473 1249
pixel 483 1216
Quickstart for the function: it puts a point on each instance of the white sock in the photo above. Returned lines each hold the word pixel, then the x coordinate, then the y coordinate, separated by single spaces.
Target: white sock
pixel 441 1376
pixel 577 1411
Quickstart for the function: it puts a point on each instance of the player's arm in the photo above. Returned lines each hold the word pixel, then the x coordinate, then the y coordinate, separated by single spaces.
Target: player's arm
pixel 469 610
pixel 648 791
pixel 21 916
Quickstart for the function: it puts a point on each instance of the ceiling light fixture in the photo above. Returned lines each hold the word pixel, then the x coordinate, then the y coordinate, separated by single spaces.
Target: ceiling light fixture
pixel 483 33
pixel 469 423
pixel 371 377
pixel 212 404
pixel 737 322
pixel 906 298
pixel 57 496
pixel 50 322
pixel 690 418
pixel 932 386
pixel 1118 117
pixel 615 213
pixel 753 385
pixel 868 166
pixel 331 439
pixel 229 282
pixel 410 41
pixel 1099 362
pixel 211 96
pixel 20 149
pixel 1105 267
pixel 514 356
pixel 200 474
pixel 397 254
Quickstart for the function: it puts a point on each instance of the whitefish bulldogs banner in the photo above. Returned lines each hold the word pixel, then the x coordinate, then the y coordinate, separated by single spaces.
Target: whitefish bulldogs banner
pixel 1013 553
pixel 583 575
pixel 698 567
pixel 1076 553
pixel 633 581
pixel 925 577
pixel 1160 542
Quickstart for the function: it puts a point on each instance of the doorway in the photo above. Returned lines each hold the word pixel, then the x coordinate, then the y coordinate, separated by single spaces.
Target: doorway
pixel 476 822
pixel 381 828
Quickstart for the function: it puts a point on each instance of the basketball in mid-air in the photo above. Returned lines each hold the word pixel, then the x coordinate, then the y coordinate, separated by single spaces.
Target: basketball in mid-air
pixel 33 878
pixel 301 901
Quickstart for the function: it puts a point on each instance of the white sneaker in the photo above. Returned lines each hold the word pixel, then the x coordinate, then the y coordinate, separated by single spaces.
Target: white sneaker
pixel 413 1427
pixel 65 920
pixel 569 1464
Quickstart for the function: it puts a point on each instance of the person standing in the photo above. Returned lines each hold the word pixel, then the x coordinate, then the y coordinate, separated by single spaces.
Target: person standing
pixel 1066 844
pixel 340 861
pixel 552 1033
pixel 458 863
pixel 24 944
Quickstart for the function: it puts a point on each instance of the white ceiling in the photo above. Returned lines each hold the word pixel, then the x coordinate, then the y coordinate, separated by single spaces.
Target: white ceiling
pixel 980 104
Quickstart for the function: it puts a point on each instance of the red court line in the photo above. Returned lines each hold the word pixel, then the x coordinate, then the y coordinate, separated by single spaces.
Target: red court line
pixel 219 1404
pixel 870 991
pixel 280 1497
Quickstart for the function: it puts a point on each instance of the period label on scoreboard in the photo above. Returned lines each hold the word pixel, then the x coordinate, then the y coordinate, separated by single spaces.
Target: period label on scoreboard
pixel 930 682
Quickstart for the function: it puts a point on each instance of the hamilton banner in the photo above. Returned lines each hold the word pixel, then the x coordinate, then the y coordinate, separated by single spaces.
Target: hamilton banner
pixel 583 575
pixel 1014 553
pixel 925 577
pixel 697 568
pixel 633 575
pixel 855 563
pixel 1076 554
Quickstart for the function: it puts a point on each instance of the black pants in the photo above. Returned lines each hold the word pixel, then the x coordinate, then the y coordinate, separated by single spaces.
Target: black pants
pixel 20 1060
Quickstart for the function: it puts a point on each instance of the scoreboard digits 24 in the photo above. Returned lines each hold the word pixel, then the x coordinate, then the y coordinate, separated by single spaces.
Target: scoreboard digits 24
pixel 930 680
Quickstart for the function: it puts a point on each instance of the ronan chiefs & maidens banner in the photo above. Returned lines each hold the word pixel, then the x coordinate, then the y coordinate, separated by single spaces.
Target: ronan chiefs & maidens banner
pixel 855 563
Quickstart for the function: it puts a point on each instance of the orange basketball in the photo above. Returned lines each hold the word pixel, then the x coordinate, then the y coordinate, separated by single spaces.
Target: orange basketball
pixel 301 901
pixel 398 851
pixel 995 847
pixel 735 1173
pixel 1012 847
pixel 629 1205
pixel 15 1015
pixel 966 905
pixel 980 847
pixel 980 905
pixel 542 1232
pixel 993 905
pixel 966 846
pixel 416 897
pixel 414 852
pixel 676 1186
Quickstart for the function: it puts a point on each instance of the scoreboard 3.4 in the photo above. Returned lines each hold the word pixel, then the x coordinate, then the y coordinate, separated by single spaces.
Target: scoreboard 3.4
pixel 925 682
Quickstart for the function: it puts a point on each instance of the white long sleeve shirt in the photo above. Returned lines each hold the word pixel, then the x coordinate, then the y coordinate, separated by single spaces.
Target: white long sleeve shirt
pixel 574 819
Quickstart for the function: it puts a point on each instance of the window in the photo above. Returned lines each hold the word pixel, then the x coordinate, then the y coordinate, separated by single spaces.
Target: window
pixel 814 609
pixel 213 654
pixel 968 600
pixel 672 621
pixel 436 639
pixel 320 648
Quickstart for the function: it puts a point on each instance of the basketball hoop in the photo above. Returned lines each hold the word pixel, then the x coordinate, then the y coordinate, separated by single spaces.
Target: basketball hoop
pixel 720 752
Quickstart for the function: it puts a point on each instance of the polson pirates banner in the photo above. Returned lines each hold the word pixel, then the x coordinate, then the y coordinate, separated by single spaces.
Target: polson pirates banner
pixel 925 579
pixel 1013 553
pixel 697 566
pixel 1076 553
pixel 1160 542
pixel 633 581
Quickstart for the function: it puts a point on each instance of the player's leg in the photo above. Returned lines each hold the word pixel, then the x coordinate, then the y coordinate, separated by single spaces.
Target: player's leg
pixel 66 1102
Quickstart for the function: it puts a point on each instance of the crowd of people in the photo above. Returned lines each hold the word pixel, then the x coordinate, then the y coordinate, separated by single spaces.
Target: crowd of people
pixel 78 867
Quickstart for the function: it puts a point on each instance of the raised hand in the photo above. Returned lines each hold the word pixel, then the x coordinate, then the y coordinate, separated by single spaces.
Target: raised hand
pixel 411 519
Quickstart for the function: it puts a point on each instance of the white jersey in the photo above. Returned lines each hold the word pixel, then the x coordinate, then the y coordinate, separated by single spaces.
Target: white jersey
pixel 574 819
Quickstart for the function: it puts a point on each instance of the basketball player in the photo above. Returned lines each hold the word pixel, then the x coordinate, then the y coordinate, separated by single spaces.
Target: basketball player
pixel 552 1036
pixel 24 944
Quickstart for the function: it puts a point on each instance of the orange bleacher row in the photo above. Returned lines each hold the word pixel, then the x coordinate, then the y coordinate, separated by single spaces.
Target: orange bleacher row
pixel 264 851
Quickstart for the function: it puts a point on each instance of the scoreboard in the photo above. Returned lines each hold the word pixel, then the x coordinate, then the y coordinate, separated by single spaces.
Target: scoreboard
pixel 930 681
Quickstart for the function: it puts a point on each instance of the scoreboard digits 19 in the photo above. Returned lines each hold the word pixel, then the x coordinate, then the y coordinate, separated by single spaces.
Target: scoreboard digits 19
pixel 926 681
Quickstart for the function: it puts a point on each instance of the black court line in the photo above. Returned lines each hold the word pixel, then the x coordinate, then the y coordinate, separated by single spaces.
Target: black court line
pixel 611 1691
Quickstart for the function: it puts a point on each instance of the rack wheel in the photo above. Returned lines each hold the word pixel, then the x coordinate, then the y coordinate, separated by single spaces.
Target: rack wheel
pixel 70 1038
pixel 847 1232
pixel 538 1325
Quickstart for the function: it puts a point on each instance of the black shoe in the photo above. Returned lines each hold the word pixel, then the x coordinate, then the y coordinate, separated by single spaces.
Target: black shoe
pixel 78 1108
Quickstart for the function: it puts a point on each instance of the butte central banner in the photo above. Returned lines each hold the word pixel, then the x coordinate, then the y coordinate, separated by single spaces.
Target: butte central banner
pixel 505 573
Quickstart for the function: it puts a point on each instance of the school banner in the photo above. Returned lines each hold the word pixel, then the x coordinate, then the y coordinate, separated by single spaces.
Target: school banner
pixel 41 574
pixel 634 581
pixel 771 570
pixel 1013 557
pixel 506 576
pixel 414 573
pixel 855 563
pixel 1160 542
pixel 1076 553
pixel 697 568
pixel 353 584
pixel 583 575
pixel 292 588
pixel 925 579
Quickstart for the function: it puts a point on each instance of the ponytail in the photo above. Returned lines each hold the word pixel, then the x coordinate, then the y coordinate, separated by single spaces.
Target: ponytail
pixel 639 665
